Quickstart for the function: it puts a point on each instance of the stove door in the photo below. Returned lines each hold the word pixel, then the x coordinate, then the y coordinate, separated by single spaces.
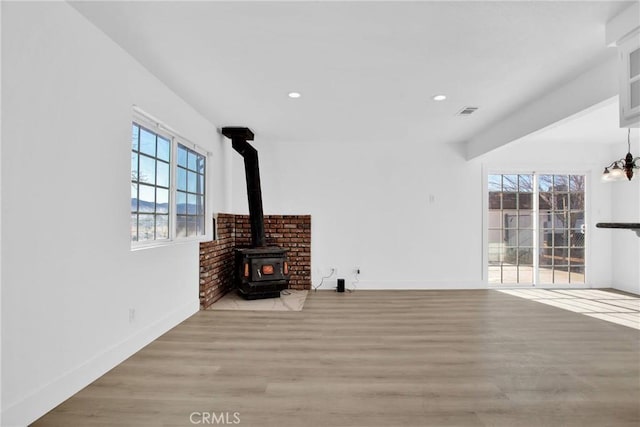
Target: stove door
pixel 263 269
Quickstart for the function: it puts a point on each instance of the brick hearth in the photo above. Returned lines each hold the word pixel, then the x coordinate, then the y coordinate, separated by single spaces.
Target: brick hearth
pixel 292 232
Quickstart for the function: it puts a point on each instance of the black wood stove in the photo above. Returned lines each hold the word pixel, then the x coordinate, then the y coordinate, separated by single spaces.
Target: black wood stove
pixel 261 271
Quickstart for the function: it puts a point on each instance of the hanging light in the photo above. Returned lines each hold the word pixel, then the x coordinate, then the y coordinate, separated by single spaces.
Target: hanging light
pixel 623 168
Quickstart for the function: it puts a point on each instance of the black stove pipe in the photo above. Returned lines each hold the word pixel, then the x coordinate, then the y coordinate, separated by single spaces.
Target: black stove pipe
pixel 239 137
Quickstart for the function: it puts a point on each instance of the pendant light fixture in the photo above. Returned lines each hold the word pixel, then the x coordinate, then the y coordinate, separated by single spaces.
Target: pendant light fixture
pixel 623 168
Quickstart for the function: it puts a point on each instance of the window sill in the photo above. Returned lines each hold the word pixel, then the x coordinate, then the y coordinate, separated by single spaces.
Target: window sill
pixel 138 246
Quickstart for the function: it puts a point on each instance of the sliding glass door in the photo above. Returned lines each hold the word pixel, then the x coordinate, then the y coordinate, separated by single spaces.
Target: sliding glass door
pixel 536 229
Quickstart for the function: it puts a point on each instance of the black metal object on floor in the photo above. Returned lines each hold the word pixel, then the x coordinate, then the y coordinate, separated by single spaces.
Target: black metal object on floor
pixel 261 271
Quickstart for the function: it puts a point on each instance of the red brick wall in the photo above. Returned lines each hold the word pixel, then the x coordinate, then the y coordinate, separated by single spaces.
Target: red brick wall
pixel 292 232
pixel 216 262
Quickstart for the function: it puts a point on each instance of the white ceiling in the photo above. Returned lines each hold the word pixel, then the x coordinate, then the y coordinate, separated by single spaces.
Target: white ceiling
pixel 366 70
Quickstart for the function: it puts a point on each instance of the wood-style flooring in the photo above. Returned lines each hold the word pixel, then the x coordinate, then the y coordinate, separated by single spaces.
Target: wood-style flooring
pixel 375 358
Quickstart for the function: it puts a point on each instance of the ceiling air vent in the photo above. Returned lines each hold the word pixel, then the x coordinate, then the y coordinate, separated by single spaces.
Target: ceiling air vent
pixel 466 111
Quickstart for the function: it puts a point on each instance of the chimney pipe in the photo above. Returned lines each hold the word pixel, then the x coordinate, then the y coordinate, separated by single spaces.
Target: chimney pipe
pixel 239 137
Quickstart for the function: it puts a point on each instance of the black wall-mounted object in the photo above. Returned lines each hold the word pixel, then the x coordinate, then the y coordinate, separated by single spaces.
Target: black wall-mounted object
pixel 261 271
pixel 340 285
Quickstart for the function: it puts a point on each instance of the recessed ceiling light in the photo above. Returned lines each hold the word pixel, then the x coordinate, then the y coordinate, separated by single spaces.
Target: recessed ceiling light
pixel 440 97
pixel 294 95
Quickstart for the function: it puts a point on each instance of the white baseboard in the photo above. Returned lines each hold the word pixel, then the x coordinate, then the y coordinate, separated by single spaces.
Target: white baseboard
pixel 627 288
pixel 409 285
pixel 445 285
pixel 47 397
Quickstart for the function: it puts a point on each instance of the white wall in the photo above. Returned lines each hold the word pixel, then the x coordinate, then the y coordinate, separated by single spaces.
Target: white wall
pixel 410 215
pixel 69 277
pixel 625 202
pixel 1 7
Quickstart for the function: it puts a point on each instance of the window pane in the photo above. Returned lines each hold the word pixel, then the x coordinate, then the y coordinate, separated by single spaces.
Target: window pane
pixel 560 274
pixel 509 200
pixel 191 204
pixel 181 202
pixel 545 200
pixel 510 255
pixel 576 274
pixel 134 166
pixel 525 238
pixel 200 189
pixel 192 162
pixel 560 183
pixel 164 149
pixel 525 274
pixel 546 256
pixel 525 219
pixel 495 183
pixel 525 256
pixel 560 237
pixel 510 183
pixel 146 227
pixel 134 197
pixel 545 183
pixel 162 200
pixel 545 275
pixel 545 220
pixel 577 256
pixel 576 238
pixel 496 253
pixel 560 219
pixel 147 196
pixel 495 200
pixel 134 227
pixel 147 142
pixel 200 205
pixel 495 275
pixel 201 164
pixel 192 182
pixel 509 274
pixel 495 219
pixel 561 201
pixel 162 226
pixel 576 201
pixel 147 170
pixel 576 183
pixel 191 225
pixel 510 219
pixel 200 225
pixel 525 183
pixel 576 219
pixel 525 201
pixel 135 132
pixel 181 226
pixel 162 174
pixel 182 179
pixel 182 156
pixel 495 236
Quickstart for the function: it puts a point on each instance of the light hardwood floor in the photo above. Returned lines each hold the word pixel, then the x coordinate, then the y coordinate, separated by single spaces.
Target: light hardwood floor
pixel 376 358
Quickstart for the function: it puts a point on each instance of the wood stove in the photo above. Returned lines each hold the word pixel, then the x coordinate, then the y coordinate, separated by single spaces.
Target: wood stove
pixel 261 271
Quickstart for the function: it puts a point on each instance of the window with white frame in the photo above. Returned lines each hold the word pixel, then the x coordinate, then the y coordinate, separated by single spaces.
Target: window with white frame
pixel 536 232
pixel 167 186
pixel 190 191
